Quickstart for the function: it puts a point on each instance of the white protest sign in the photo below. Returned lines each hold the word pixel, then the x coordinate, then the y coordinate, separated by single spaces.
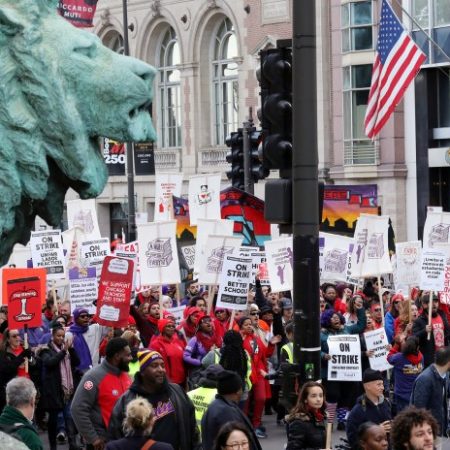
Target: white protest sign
pixel 436 229
pixel 177 313
pixel 92 253
pixel 345 362
pixel 20 256
pixel 350 279
pixel 47 253
pixel 188 252
pixel 280 260
pixel 158 253
pixel 206 228
pixel 335 257
pixel 408 263
pixel 370 255
pixel 433 264
pixel 376 341
pixel 83 289
pixel 167 185
pixel 445 294
pixel 215 250
pixel 234 282
pixel 132 248
pixel 83 214
pixel 260 262
pixel 204 197
pixel 71 243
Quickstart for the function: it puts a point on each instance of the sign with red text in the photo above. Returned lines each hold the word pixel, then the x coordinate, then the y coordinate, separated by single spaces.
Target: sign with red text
pixel 47 253
pixel 167 185
pixel 24 290
pixel 114 295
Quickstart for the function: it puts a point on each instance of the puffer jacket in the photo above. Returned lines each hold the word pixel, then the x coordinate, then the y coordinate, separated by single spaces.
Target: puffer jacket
pixel 305 432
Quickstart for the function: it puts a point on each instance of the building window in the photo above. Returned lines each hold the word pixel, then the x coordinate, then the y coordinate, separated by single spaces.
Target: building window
pixel 358 149
pixel 225 82
pixel 357 32
pixel 114 41
pixel 169 92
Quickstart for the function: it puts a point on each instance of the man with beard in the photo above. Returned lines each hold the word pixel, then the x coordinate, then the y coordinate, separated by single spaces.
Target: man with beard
pixel 98 391
pixel 439 329
pixel 174 412
pixel 414 429
pixel 192 291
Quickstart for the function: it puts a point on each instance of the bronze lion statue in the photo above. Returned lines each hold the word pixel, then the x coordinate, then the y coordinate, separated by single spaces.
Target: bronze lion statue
pixel 61 90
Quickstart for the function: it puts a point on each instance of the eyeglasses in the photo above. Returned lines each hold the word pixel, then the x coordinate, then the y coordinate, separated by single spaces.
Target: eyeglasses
pixel 14 335
pixel 254 314
pixel 377 310
pixel 238 445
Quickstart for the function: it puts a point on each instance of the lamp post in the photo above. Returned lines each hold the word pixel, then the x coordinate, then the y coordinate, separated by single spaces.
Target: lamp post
pixel 129 146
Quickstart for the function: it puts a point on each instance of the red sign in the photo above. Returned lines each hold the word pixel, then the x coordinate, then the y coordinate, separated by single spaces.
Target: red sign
pixel 79 12
pixel 116 281
pixel 24 290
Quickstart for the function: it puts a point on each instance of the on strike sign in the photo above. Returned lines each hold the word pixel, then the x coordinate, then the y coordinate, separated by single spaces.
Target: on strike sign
pixel 114 295
pixel 345 362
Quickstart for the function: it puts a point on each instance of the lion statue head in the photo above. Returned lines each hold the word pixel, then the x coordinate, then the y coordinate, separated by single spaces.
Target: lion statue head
pixel 61 89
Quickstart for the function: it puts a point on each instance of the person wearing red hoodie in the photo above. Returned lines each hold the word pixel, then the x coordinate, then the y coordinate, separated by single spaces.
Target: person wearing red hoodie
pixel 221 321
pixel 171 348
pixel 147 326
pixel 188 325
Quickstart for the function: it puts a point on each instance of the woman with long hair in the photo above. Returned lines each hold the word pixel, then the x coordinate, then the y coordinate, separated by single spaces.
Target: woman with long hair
pixel 306 424
pixel 351 316
pixel 232 436
pixel 137 427
pixel 408 313
pixel 391 315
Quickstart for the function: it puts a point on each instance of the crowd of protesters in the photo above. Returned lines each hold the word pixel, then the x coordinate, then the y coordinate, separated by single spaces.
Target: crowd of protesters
pixel 208 381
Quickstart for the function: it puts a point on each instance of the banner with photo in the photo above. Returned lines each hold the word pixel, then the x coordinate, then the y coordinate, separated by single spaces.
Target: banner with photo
pixel 204 197
pixel 280 261
pixel 215 250
pixel 167 185
pixel 83 288
pixel 114 156
pixel 158 253
pixel 370 256
pixel 47 253
pixel 206 228
pixel 83 214
pixel 335 261
pixel 79 13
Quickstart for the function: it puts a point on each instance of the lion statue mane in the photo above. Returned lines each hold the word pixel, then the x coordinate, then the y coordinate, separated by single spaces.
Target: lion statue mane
pixel 61 90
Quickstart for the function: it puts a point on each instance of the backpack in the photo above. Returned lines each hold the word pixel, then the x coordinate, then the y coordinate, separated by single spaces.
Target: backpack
pixel 12 430
pixel 148 444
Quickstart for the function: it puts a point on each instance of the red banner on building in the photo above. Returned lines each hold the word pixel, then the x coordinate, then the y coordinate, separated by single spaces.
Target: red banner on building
pixel 24 292
pixel 116 282
pixel 78 12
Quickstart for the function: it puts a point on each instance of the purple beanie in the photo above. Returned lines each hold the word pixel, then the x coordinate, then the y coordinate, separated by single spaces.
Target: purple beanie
pixel 325 318
pixel 78 311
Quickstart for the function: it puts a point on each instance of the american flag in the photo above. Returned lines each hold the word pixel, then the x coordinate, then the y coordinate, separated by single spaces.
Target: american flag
pixel 397 61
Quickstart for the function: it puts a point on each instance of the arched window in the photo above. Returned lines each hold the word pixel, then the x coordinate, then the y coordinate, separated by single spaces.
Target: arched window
pixel 114 41
pixel 169 92
pixel 225 82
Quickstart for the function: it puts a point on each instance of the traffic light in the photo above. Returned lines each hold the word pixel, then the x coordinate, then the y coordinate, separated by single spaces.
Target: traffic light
pixel 257 169
pixel 235 157
pixel 275 78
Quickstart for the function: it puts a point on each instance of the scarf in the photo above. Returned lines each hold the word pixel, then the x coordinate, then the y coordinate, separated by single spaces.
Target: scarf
pixel 414 359
pixel 66 372
pixel 153 320
pixel 316 413
pixel 188 328
pixel 81 347
pixel 208 340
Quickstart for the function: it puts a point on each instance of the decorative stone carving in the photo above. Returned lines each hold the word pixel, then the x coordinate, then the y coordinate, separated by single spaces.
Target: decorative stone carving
pixel 156 8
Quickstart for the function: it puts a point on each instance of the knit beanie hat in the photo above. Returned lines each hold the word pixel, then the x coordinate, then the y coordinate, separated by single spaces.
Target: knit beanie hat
pixel 371 375
pixel 146 357
pixel 228 382
pixel 162 323
pixel 78 311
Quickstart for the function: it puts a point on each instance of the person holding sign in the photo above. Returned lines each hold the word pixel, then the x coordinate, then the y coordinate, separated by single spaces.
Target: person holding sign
pixel 438 330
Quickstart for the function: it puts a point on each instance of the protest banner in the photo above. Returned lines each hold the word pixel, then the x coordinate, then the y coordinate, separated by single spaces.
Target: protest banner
pixel 24 291
pixel 47 253
pixel 206 228
pixel 72 239
pixel 235 282
pixel 215 250
pixel 370 255
pixel 79 13
pixel 132 250
pixel 280 264
pixel 433 264
pixel 407 265
pixel 83 214
pixel 158 253
pixel 445 294
pixel 92 253
pixel 436 229
pixel 178 313
pixel 345 362
pixel 188 252
pixel 116 280
pixel 350 279
pixel 204 197
pixel 83 288
pixel 377 342
pixel 336 251
pixel 166 186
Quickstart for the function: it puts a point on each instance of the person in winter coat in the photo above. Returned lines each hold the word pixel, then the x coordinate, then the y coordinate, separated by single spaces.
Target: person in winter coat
pixel 59 381
pixel 439 329
pixel 306 427
pixel 408 365
pixel 171 348
pixel 138 426
pixel 370 407
pixel 188 325
pixel 333 323
pixel 221 321
pixel 175 417
pixel 391 315
pixel 147 324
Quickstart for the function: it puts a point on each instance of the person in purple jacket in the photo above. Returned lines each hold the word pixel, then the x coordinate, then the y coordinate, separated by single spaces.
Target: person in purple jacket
pixel 408 365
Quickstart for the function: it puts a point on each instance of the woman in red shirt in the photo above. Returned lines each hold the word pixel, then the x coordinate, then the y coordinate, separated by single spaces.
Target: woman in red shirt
pixel 171 348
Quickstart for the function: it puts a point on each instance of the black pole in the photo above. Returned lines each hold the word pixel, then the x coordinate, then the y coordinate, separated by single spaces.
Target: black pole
pixel 129 146
pixel 305 208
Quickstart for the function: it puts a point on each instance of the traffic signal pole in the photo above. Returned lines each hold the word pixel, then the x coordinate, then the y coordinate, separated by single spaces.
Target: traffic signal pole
pixel 305 205
pixel 248 180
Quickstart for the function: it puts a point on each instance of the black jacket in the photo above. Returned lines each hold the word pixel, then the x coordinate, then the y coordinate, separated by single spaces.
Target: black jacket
pixel 305 432
pixel 136 443
pixel 52 391
pixel 427 347
pixel 184 412
pixel 220 412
